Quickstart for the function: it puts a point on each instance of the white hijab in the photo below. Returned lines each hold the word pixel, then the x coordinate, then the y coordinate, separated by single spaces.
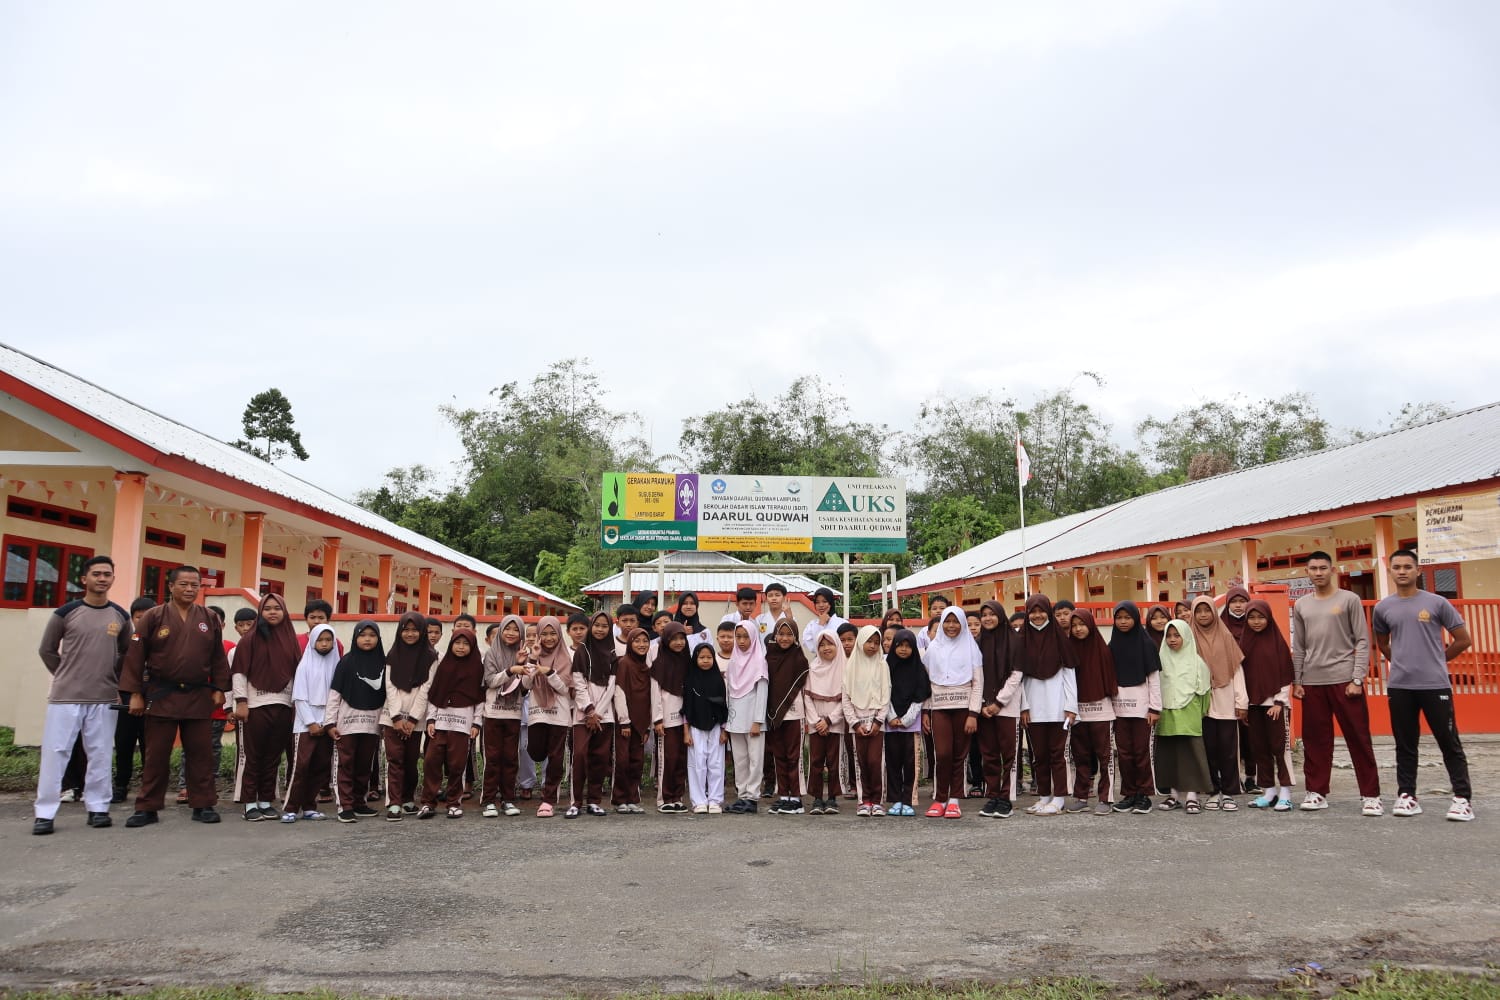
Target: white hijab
pixel 952 662
pixel 315 669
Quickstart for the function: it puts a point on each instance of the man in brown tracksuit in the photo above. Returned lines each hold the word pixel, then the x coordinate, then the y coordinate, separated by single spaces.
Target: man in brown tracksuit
pixel 176 673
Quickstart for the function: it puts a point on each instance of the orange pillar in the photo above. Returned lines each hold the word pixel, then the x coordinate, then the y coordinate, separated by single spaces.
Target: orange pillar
pixel 1249 557
pixel 531 609
pixel 456 603
pixel 1080 585
pixel 1385 544
pixel 424 591
pixel 926 614
pixel 479 600
pixel 383 602
pixel 126 536
pixel 1153 569
pixel 331 572
pixel 252 545
pixel 958 597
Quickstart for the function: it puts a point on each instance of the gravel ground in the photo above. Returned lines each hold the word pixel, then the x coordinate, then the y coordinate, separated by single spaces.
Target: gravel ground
pixel 529 907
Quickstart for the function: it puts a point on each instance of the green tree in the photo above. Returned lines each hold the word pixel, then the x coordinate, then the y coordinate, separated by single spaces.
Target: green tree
pixel 268 426
pixel 1211 437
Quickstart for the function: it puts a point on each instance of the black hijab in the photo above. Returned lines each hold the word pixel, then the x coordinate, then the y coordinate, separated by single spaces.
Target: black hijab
pixel 691 622
pixel 1134 652
pixel 359 677
pixel 705 699
pixel 411 664
pixel 595 658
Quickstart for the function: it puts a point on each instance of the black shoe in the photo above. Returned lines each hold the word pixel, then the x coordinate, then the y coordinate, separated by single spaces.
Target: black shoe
pixel 207 814
pixel 1003 808
pixel 117 797
pixel 41 827
pixel 739 806
pixel 1126 804
pixel 252 815
pixel 365 812
pixel 270 812
pixel 791 807
pixel 830 806
pixel 139 818
pixel 1142 805
pixel 100 820
pixel 991 809
pixel 347 816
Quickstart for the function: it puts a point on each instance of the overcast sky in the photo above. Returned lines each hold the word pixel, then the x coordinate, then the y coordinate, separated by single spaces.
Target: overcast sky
pixel 383 208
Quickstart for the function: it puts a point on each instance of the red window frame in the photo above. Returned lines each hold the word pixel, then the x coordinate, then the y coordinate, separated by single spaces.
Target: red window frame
pixel 67 553
pixel 64 517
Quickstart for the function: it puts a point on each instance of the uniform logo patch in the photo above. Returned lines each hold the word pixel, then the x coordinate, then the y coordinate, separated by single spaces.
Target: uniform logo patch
pixel 1424 616
pixel 113 628
pixel 162 633
pixel 203 626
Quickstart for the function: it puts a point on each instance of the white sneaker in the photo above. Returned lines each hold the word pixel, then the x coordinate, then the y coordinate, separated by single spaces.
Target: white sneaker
pixel 1312 801
pixel 700 809
pixel 1372 807
pixel 1460 811
pixel 1406 805
pixel 715 809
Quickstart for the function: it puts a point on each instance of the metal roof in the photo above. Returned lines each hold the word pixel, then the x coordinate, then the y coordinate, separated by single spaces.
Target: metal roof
pixel 1451 452
pixel 681 580
pixel 162 434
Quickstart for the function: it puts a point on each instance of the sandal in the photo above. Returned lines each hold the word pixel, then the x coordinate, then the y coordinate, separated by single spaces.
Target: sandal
pixel 1168 804
pixel 544 810
pixel 572 813
pixel 1193 808
pixel 1229 805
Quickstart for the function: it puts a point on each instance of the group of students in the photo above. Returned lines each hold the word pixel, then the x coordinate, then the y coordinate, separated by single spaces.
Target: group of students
pixel 1167 698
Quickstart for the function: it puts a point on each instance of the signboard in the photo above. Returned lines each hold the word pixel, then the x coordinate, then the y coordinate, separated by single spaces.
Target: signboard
pixel 1199 580
pixel 647 510
pixel 1456 529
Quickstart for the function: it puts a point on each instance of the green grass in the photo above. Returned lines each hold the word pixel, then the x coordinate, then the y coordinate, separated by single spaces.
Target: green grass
pixel 18 765
pixel 1384 983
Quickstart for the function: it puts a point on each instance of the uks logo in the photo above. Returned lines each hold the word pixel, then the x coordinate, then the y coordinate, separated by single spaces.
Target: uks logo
pixel 834 502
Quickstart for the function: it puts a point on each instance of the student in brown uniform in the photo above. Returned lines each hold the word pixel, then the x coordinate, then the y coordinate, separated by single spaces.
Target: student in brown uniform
pixel 668 672
pixel 505 664
pixel 455 703
pixel 632 721
pixel 999 711
pixel 549 710
pixel 355 699
pixel 176 673
pixel 594 664
pixel 265 664
pixel 786 663
pixel 1090 738
pixel 407 676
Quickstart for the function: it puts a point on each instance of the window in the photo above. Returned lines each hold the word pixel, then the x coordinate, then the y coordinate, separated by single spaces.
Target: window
pixel 216 549
pixel 42 574
pixel 400 607
pixel 210 577
pixel 367 605
pixel 313 569
pixel 369 583
pixel 30 510
pixel 343 576
pixel 314 594
pixel 273 562
pixel 272 587
pixel 401 589
pixel 166 539
pixel 1441 580
pixel 154 579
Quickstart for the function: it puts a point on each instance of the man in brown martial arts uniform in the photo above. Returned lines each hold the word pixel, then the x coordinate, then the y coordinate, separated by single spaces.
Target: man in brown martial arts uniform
pixel 176 673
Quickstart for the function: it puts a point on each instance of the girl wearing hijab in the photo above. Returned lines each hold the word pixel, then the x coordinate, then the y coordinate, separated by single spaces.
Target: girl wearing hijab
pixel 1156 624
pixel 549 708
pixel 594 664
pixel 910 689
pixel 668 670
pixel 265 663
pixel 956 670
pixel 1049 699
pixel 705 710
pixel 823 719
pixel 1268 687
pixel 632 721
pixel 999 712
pixel 748 679
pixel 686 615
pixel 355 698
pixel 1236 604
pixel 312 753
pixel 1090 738
pixel 407 677
pixel 455 709
pixel 866 705
pixel 1137 705
pixel 786 669
pixel 1228 703
pixel 1181 766
pixel 505 664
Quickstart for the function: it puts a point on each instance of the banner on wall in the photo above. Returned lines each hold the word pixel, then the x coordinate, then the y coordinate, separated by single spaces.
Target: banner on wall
pixel 714 513
pixel 1456 529
pixel 1198 580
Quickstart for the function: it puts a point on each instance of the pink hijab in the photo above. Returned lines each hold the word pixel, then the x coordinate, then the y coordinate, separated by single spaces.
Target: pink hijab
pixel 746 667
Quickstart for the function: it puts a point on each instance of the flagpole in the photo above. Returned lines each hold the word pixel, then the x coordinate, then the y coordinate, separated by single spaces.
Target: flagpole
pixel 1025 578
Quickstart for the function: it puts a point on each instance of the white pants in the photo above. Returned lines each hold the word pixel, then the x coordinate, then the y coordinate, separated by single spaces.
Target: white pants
pixel 749 762
pixel 706 767
pixel 59 732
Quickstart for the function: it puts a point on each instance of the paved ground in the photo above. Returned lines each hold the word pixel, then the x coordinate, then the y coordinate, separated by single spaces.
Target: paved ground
pixel 528 907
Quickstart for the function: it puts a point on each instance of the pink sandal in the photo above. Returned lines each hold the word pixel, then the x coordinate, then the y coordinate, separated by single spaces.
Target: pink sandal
pixel 544 810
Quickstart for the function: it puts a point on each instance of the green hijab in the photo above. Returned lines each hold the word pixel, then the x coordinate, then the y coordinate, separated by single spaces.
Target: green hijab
pixel 1184 675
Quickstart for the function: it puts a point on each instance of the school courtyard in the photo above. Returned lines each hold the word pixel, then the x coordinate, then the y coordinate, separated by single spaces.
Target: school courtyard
pixel 528 907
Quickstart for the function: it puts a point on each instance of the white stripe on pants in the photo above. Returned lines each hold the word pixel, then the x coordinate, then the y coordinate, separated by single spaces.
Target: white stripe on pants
pixel 705 767
pixel 59 733
pixel 749 763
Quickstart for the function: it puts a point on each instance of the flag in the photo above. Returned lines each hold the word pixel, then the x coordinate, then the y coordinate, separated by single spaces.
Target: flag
pixel 1023 462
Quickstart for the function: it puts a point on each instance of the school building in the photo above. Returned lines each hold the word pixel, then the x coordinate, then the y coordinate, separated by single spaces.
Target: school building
pixel 84 471
pixel 714 577
pixel 1256 527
